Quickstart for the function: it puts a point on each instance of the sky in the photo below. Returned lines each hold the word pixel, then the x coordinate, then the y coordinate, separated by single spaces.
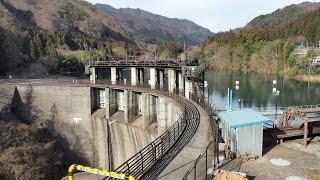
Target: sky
pixel 216 15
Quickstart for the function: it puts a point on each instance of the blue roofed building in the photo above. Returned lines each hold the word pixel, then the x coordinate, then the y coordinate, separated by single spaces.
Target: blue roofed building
pixel 244 128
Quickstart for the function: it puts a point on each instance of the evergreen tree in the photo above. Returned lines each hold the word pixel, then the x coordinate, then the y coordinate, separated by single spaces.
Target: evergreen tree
pixel 33 50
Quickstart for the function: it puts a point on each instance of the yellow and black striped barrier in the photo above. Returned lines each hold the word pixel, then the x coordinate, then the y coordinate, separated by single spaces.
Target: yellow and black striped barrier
pixel 97 171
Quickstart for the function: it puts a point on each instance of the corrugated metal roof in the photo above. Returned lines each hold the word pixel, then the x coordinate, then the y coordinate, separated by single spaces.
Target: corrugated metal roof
pixel 243 117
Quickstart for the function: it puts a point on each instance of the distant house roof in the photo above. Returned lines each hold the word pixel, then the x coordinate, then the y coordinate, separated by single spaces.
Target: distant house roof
pixel 243 117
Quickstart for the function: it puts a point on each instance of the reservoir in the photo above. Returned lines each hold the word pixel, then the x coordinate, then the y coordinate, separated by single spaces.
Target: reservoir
pixel 257 90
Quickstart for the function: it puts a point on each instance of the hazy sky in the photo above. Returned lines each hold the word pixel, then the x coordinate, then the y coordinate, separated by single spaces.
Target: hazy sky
pixel 216 15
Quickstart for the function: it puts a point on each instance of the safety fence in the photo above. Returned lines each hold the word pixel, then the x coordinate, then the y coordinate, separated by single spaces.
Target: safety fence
pixel 144 63
pixel 281 109
pixel 201 164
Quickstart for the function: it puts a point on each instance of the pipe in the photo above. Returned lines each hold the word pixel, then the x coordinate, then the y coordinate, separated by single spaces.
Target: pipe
pixel 96 171
pixel 230 99
pixel 70 171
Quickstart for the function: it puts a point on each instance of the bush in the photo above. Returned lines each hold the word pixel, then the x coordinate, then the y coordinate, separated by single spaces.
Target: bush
pixel 31 161
pixel 28 152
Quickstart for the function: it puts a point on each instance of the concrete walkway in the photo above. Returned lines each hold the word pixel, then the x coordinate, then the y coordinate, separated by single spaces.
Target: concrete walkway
pixel 185 159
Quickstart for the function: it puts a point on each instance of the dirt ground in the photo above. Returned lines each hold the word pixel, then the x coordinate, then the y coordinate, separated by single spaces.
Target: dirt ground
pixel 304 162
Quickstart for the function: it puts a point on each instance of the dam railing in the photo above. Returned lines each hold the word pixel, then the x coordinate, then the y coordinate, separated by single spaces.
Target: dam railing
pixel 143 63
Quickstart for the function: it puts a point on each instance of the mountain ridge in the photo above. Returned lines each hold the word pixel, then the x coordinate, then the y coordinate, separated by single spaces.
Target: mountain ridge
pixel 148 26
pixel 283 15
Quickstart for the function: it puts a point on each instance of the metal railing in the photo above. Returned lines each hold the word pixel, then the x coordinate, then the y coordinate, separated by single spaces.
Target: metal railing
pixel 273 109
pixel 143 63
pixel 201 164
pixel 191 121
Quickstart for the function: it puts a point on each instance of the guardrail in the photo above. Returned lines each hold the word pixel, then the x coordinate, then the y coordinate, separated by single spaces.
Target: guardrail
pixel 273 109
pixel 143 63
pixel 200 164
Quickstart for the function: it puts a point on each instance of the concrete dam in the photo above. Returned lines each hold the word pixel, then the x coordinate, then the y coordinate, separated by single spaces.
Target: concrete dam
pixel 118 122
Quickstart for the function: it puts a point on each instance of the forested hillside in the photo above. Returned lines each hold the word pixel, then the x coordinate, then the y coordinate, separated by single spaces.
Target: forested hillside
pixel 284 15
pixel 265 49
pixel 52 36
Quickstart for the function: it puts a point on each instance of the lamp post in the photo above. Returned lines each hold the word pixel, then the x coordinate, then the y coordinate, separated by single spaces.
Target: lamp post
pixel 276 93
pixel 206 85
pixel 238 88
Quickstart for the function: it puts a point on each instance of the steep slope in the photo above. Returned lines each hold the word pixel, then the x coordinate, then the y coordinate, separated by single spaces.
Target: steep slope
pixel 72 16
pixel 147 27
pixel 284 15
pixel 42 31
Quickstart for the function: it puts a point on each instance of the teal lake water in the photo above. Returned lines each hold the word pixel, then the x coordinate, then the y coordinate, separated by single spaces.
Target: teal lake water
pixel 256 90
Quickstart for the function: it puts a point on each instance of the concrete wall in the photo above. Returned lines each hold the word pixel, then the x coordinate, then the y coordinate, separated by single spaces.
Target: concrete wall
pixel 6 98
pixel 133 105
pixel 65 111
pixel 126 141
pixel 100 138
pixel 111 102
pixel 168 113
pixel 149 109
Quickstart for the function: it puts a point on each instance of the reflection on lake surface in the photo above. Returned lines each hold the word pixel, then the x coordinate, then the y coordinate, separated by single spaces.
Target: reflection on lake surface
pixel 255 90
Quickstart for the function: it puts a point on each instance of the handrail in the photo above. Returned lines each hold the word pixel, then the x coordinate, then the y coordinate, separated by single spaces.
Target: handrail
pixel 271 109
pixel 143 63
pixel 193 168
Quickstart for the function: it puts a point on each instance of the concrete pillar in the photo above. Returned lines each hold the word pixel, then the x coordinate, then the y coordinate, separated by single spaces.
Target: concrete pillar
pixel 171 80
pixel 113 75
pixel 306 131
pixel 145 108
pixel 162 114
pixel 181 82
pixel 93 75
pixel 107 102
pixel 134 76
pixel 126 106
pixel 161 74
pixel 153 108
pixel 119 74
pixel 153 78
pixel 186 89
pixel 190 87
pixel 141 75
pixel 111 102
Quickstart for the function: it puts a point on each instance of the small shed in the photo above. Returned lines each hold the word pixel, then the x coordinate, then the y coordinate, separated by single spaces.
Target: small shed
pixel 244 127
